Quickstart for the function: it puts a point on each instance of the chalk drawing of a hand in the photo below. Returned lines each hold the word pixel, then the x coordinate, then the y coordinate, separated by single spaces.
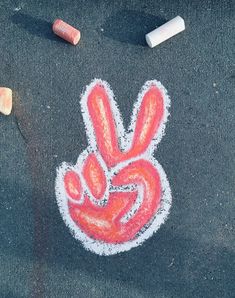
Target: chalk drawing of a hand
pixel 117 194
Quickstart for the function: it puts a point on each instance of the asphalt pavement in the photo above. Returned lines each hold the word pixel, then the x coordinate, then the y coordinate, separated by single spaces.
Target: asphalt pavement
pixel 193 253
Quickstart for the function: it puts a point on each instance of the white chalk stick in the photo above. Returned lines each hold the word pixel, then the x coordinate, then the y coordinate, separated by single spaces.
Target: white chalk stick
pixel 165 31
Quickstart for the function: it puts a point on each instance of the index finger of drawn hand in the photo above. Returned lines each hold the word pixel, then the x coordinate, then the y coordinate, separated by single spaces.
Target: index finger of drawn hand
pixel 148 120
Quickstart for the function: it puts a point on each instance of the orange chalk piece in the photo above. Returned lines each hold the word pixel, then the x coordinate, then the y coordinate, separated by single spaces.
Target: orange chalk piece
pixel 5 100
pixel 66 31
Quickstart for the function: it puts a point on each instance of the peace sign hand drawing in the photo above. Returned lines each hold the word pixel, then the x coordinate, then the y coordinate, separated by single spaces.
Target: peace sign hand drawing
pixel 117 195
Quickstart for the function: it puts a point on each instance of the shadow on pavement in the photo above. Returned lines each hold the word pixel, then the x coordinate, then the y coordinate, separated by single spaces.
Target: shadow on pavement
pixel 131 26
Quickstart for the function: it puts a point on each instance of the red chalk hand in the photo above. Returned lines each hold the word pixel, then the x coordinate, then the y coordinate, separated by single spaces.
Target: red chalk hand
pixel 117 194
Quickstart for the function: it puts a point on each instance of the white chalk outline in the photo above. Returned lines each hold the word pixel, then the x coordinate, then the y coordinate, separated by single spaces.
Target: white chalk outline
pixel 125 139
